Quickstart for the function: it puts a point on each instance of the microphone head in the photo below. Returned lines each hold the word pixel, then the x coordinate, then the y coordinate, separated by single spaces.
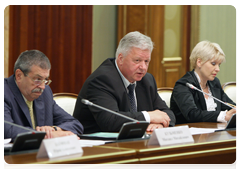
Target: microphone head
pixel 87 102
pixel 190 86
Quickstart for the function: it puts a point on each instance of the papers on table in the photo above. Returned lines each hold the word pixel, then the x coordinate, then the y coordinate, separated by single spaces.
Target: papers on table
pixel 7 144
pixel 90 143
pixel 6 141
pixel 196 131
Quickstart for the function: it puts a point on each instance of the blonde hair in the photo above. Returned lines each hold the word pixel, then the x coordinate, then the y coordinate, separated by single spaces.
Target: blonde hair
pixel 206 50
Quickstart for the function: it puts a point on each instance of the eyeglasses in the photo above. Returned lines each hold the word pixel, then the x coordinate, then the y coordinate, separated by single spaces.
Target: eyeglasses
pixel 39 82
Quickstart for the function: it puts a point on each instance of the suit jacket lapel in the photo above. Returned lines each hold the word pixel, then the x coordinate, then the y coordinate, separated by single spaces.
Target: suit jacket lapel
pixel 216 93
pixel 120 85
pixel 19 98
pixel 141 94
pixel 200 95
pixel 202 99
pixel 39 110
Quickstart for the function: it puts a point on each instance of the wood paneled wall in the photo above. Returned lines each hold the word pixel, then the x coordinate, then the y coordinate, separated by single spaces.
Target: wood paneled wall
pixel 63 33
pixel 149 20
pixel 175 67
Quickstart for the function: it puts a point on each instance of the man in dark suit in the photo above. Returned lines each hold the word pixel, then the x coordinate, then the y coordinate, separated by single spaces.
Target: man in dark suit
pixel 28 100
pixel 108 85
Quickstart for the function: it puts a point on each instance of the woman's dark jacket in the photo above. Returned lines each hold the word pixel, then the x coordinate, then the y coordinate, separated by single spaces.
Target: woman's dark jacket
pixel 189 105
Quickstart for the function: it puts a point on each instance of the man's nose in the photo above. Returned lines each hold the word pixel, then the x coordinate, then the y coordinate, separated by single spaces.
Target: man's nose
pixel 143 65
pixel 42 85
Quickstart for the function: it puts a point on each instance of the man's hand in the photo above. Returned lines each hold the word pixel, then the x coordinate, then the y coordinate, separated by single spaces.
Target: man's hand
pixel 229 114
pixel 51 133
pixel 62 133
pixel 152 126
pixel 48 129
pixel 159 117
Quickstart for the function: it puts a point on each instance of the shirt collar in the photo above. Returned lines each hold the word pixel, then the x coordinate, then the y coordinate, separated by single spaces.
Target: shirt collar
pixel 199 80
pixel 196 74
pixel 125 81
pixel 20 91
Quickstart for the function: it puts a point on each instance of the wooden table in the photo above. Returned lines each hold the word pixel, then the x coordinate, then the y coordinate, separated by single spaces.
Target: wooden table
pixel 93 157
pixel 214 148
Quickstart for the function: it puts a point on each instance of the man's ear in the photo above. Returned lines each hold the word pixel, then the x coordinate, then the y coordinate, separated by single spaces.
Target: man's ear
pixel 18 74
pixel 120 59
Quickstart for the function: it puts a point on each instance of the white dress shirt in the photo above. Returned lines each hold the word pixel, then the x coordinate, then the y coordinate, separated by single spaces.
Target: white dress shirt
pixel 211 105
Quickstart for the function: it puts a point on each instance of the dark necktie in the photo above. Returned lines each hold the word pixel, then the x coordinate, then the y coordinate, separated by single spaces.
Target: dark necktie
pixel 131 97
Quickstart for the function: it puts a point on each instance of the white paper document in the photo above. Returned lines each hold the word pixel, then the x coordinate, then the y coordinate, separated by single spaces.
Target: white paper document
pixel 6 141
pixel 197 131
pixel 7 144
pixel 90 143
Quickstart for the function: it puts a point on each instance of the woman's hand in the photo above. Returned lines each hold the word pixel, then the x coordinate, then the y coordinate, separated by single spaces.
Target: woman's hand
pixel 229 114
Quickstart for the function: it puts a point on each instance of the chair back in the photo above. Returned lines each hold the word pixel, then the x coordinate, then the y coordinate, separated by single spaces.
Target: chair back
pixel 66 101
pixel 165 93
pixel 230 89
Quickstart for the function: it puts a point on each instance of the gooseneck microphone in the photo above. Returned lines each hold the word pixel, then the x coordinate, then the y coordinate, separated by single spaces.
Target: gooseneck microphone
pixel 193 87
pixel 87 102
pixel 133 129
pixel 26 140
pixel 21 127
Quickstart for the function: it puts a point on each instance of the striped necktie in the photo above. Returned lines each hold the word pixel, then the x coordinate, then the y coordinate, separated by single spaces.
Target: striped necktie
pixel 30 107
pixel 131 97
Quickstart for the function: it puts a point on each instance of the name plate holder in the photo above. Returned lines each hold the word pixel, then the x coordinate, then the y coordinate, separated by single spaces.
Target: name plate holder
pixel 171 136
pixel 61 146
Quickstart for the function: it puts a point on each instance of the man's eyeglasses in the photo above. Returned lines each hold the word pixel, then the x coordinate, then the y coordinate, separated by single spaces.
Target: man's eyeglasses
pixel 39 82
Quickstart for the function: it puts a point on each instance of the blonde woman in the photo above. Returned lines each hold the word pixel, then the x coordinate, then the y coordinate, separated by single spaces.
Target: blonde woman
pixel 190 105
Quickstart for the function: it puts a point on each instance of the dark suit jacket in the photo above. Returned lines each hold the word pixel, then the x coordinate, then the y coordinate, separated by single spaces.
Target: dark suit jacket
pixel 189 105
pixel 105 87
pixel 47 112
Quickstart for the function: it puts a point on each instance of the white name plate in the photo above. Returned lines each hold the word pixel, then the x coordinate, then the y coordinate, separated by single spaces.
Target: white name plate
pixel 61 146
pixel 171 136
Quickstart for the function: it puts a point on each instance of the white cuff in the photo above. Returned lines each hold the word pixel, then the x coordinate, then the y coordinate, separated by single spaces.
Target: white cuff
pixel 146 115
pixel 221 116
